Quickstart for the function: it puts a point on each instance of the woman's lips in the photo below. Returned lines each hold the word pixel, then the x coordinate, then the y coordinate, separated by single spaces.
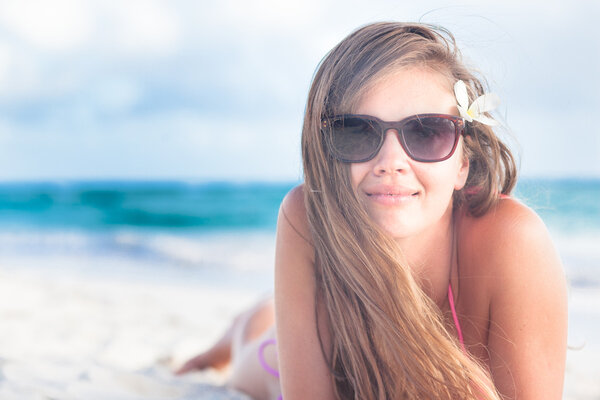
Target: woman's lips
pixel 391 195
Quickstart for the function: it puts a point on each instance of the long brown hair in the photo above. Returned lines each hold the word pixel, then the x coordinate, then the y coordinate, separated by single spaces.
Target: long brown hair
pixel 389 340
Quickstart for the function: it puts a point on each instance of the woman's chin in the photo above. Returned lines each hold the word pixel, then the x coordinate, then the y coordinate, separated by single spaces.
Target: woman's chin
pixel 397 229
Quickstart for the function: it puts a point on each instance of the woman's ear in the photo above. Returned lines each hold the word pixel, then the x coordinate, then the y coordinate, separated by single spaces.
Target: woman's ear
pixel 463 172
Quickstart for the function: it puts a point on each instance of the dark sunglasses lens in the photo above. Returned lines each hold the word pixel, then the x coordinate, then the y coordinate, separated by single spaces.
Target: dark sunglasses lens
pixel 429 138
pixel 354 139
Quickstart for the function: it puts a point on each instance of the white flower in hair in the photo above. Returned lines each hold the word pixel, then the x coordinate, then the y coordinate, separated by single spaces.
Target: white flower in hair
pixel 482 104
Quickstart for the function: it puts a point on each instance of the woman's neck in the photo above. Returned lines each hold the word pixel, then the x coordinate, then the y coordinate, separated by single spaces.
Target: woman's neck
pixel 430 255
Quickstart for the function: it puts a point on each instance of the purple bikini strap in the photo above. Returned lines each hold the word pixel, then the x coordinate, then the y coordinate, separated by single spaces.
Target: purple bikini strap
pixel 261 357
pixel 263 363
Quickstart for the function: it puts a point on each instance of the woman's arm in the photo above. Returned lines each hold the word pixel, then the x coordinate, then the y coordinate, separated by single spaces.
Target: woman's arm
pixel 527 336
pixel 303 369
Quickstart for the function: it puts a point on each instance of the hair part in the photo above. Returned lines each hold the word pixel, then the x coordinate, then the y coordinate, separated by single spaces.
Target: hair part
pixel 393 345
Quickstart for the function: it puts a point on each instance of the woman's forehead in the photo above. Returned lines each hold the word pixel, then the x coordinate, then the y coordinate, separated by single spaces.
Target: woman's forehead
pixel 405 92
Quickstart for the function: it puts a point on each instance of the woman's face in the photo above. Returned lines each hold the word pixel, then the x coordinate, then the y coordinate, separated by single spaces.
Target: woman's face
pixel 403 196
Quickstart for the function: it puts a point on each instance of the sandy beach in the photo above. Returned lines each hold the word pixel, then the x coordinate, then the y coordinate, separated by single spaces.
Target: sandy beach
pixel 582 378
pixel 73 334
pixel 70 337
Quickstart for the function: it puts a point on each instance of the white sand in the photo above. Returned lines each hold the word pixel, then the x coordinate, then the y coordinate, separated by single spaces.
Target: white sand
pixel 73 338
pixel 582 381
pixel 68 336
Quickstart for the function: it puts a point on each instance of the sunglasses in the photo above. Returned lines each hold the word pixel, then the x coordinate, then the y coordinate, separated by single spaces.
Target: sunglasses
pixel 424 137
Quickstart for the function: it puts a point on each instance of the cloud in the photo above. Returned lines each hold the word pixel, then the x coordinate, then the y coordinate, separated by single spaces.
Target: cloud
pixel 55 26
pixel 138 27
pixel 195 81
pixel 5 63
pixel 170 145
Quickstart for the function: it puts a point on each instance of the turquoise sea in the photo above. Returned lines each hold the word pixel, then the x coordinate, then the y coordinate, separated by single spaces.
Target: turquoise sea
pixel 220 231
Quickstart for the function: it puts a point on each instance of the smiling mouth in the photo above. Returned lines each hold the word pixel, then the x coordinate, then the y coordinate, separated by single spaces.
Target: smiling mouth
pixel 391 199
pixel 394 194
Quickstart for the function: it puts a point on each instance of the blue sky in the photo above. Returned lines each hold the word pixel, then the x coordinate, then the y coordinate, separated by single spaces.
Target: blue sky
pixel 148 89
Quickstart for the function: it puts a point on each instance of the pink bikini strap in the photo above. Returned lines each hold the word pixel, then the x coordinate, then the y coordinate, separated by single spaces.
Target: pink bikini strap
pixel 456 323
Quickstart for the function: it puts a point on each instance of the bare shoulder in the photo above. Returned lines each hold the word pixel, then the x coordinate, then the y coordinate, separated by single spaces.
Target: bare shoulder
pixel 295 197
pixel 507 215
pixel 521 284
pixel 507 255
pixel 293 211
pixel 508 237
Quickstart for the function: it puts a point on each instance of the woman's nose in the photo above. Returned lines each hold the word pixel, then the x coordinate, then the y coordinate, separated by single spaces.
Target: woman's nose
pixel 391 157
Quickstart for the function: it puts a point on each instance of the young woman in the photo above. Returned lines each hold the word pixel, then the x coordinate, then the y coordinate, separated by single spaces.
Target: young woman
pixel 404 269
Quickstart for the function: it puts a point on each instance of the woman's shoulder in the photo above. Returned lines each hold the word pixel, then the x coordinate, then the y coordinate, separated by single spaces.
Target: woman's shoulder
pixel 508 219
pixel 292 214
pixel 507 238
pixel 293 202
pixel 514 282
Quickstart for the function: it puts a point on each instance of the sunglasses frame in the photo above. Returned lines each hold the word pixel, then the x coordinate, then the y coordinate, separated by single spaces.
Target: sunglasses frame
pixel 381 127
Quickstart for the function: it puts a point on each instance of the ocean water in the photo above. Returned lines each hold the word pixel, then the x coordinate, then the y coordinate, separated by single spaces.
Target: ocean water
pixel 220 232
pixel 570 209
